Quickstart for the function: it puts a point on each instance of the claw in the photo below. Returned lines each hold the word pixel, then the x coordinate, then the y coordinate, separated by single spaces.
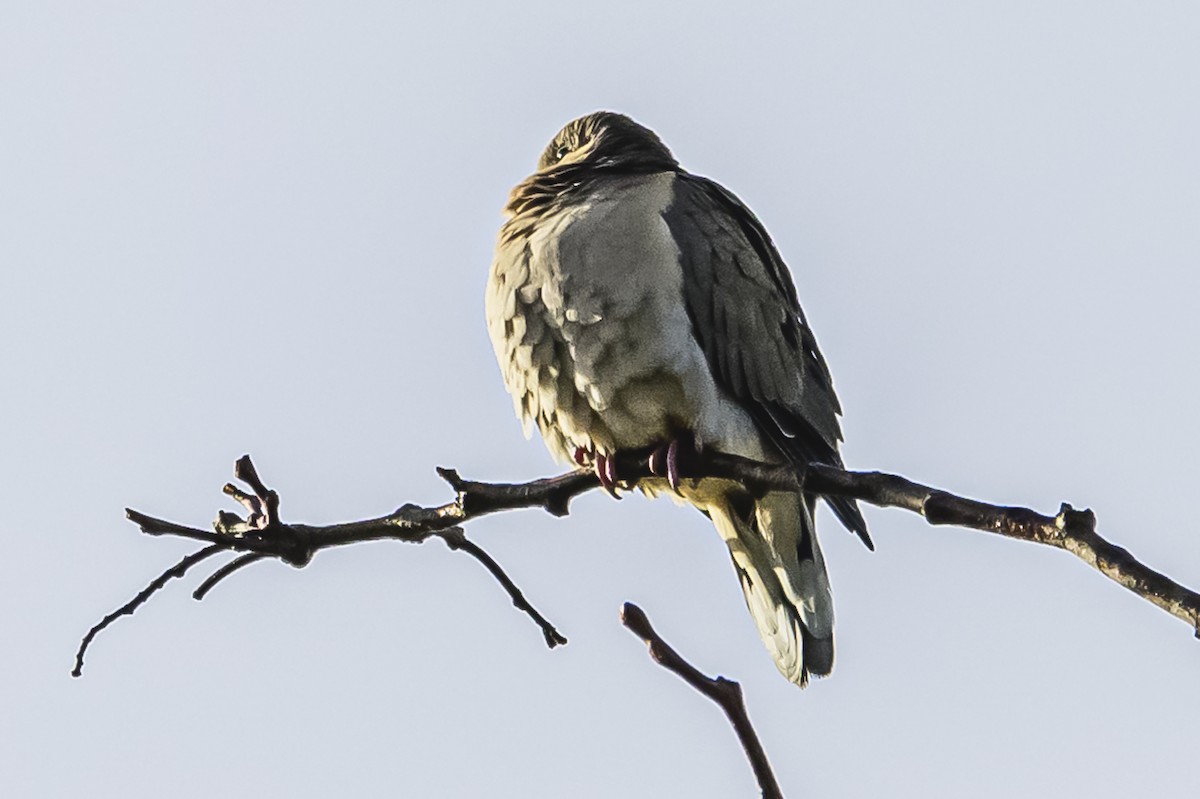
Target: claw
pixel 610 469
pixel 606 471
pixel 673 465
pixel 656 463
pixel 581 456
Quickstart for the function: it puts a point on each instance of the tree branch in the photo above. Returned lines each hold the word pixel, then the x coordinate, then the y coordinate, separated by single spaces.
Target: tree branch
pixel 262 534
pixel 726 693
pixel 1070 529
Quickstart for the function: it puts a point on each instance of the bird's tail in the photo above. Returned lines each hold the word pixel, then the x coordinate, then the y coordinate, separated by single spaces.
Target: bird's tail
pixel 775 552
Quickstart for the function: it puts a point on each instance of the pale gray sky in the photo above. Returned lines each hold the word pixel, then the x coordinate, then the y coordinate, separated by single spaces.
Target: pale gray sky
pixel 265 228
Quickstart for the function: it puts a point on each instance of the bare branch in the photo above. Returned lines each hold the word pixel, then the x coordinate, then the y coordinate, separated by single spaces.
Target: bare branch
pixel 456 539
pixel 726 693
pixel 263 534
pixel 1071 530
pixel 178 570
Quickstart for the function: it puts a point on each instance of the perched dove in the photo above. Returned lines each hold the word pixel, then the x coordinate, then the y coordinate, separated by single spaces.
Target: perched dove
pixel 633 305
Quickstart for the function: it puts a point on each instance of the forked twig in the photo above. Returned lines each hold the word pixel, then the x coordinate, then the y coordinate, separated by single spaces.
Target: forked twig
pixel 261 534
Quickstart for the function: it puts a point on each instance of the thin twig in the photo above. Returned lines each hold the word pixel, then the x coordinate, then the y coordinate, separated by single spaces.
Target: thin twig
pixel 457 540
pixel 178 570
pixel 726 693
pixel 226 570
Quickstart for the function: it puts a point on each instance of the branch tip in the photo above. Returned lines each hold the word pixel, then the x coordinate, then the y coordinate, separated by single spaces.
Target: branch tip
pixel 244 470
pixel 451 476
pixel 635 619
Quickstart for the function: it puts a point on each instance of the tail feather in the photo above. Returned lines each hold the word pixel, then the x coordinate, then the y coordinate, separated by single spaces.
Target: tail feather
pixel 778 560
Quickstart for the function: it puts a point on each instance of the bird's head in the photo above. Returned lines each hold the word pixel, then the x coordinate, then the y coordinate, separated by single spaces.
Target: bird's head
pixel 606 140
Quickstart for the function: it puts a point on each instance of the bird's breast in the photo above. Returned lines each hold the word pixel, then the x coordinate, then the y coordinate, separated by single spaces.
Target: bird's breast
pixel 587 314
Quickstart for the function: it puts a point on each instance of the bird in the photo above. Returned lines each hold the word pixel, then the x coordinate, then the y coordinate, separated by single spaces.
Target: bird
pixel 632 304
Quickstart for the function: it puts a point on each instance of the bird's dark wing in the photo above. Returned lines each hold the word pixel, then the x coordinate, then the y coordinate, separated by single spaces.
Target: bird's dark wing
pixel 747 318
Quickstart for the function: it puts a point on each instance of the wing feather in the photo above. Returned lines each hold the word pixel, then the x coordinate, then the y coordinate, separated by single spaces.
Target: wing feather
pixel 747 318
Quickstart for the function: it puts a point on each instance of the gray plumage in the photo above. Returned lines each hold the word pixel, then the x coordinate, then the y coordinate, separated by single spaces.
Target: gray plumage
pixel 631 304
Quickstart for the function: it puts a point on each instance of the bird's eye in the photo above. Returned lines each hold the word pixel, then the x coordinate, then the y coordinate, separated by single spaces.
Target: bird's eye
pixel 561 152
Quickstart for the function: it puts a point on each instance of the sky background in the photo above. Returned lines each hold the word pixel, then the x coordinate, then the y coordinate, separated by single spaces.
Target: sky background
pixel 266 228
